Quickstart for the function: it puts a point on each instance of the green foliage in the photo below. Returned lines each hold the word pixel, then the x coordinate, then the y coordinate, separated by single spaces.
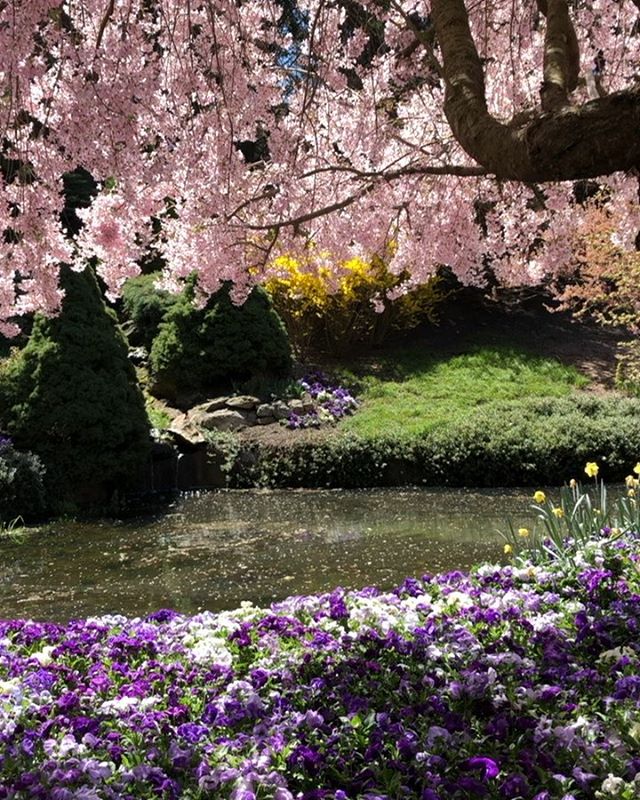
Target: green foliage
pixel 71 396
pixel 575 517
pixel 144 307
pixel 411 391
pixel 517 443
pixel 628 366
pixel 211 348
pixel 22 490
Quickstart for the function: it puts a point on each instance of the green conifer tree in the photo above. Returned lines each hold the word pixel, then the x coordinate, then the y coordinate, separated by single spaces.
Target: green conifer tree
pixel 71 396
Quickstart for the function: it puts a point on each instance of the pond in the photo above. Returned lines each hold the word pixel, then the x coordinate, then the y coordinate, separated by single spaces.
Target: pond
pixel 214 550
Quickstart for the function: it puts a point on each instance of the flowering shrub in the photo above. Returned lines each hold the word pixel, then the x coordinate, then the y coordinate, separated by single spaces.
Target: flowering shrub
pixel 333 307
pixel 332 403
pixel 511 682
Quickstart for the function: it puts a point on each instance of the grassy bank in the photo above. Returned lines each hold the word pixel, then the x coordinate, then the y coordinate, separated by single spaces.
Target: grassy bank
pixel 409 391
pixel 492 416
pixel 521 443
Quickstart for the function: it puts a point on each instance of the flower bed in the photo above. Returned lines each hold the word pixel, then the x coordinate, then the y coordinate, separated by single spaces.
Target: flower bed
pixel 332 402
pixel 511 682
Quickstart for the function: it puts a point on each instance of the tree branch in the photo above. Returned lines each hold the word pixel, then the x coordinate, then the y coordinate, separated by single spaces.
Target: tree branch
pixel 105 21
pixel 566 143
pixel 561 66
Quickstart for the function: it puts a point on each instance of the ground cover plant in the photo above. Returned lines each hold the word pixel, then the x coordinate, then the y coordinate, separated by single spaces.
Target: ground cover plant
pixel 412 390
pixel 517 681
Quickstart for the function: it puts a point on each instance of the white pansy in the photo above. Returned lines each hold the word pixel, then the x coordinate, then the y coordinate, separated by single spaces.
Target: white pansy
pixel 617 653
pixel 119 704
pixel 459 600
pixel 44 657
pixel 612 785
pixel 10 687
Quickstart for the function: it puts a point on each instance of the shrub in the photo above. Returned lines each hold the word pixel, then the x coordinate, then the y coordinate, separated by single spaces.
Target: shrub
pixel 144 307
pixel 519 443
pixel 71 396
pixel 361 307
pixel 211 348
pixel 21 483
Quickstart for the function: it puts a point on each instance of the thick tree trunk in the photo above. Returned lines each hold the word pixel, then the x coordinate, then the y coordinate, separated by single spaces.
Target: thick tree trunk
pixel 564 143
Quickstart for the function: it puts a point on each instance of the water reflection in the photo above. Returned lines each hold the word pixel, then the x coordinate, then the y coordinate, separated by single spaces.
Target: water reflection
pixel 214 550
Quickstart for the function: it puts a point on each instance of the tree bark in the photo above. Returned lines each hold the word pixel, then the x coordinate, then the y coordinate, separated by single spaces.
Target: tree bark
pixel 561 55
pixel 563 143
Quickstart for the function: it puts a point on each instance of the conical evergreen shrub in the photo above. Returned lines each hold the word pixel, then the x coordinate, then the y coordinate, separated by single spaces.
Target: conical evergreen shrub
pixel 71 396
pixel 212 348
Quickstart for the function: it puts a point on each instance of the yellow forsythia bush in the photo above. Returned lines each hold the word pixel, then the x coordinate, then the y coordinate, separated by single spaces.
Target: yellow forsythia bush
pixel 334 310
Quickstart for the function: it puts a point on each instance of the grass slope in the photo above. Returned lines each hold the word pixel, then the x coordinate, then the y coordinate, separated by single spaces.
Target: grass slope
pixel 411 391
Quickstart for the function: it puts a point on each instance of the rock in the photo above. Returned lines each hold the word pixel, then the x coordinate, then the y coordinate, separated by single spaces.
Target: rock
pixel 281 410
pixel 266 420
pixel 264 410
pixel 245 402
pixel 186 433
pixel 307 402
pixel 215 404
pixel 297 406
pixel 225 419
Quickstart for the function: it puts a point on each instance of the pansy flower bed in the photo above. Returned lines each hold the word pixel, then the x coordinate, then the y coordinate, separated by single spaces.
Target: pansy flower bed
pixel 520 681
pixel 332 402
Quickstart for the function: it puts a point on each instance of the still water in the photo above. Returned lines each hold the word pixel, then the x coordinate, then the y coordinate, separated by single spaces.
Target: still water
pixel 212 551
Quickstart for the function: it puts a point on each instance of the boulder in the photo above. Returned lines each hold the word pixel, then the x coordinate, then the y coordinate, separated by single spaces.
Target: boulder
pixel 281 410
pixel 307 402
pixel 264 410
pixel 267 420
pixel 185 432
pixel 214 404
pixel 225 419
pixel 297 406
pixel 244 402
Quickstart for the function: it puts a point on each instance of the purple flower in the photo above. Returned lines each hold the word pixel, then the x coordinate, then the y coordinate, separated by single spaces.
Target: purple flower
pixel 488 765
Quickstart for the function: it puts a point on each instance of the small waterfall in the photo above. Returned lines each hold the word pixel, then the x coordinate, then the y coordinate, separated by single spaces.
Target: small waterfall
pixel 179 458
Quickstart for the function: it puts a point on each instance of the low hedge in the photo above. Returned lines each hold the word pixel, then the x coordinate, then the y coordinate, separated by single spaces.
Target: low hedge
pixel 520 443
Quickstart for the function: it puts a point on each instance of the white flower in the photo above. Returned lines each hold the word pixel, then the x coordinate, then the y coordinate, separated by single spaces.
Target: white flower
pixel 616 653
pixel 10 687
pixel 43 657
pixel 119 704
pixel 459 599
pixel 612 785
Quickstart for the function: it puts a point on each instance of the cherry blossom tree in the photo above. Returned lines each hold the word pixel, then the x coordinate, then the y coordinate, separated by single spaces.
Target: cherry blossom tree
pixel 224 132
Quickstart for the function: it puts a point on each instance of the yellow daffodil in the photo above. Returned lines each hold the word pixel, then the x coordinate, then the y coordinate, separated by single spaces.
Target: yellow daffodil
pixel 636 469
pixel 591 468
pixel 539 496
pixel 508 549
pixel 557 512
pixel 523 532
pixel 631 493
pixel 629 480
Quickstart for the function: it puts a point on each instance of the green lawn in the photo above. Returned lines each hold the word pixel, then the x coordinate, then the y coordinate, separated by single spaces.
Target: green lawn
pixel 410 391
